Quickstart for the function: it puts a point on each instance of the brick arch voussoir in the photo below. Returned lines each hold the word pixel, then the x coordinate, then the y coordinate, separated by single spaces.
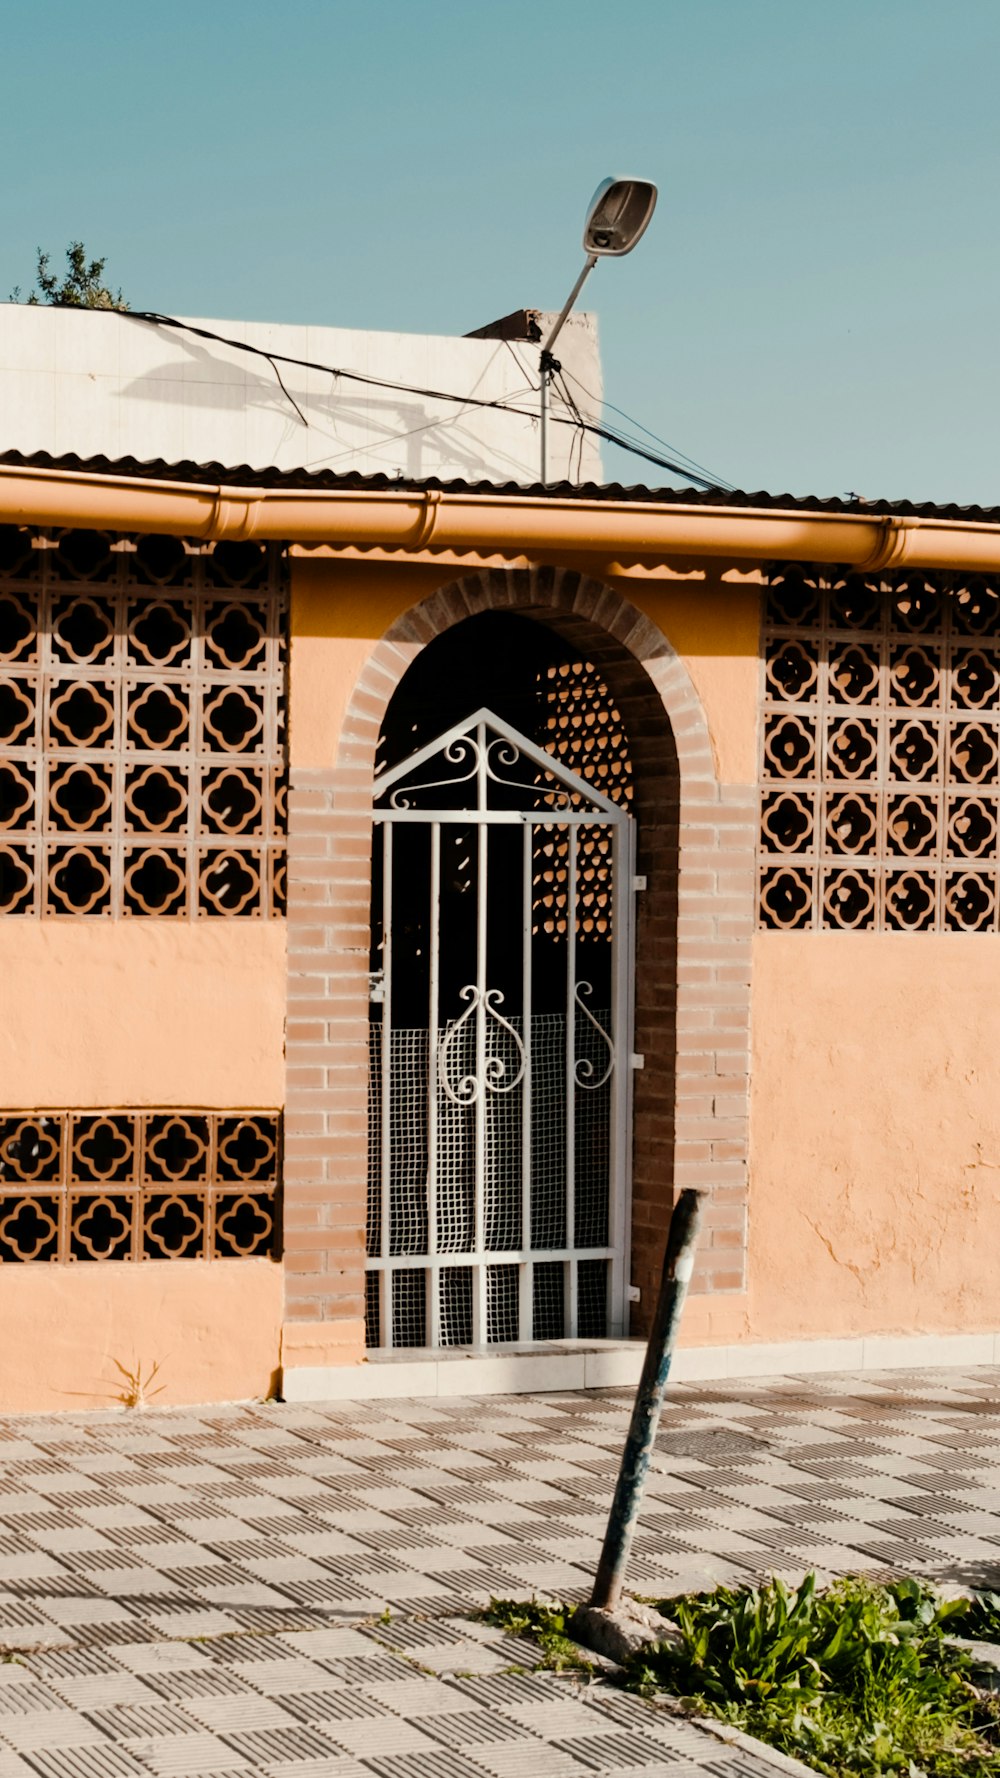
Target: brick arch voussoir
pixel 551 593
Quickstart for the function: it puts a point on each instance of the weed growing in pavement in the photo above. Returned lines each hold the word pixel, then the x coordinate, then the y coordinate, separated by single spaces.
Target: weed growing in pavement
pixel 137 1390
pixel 546 1626
pixel 857 1678
pixel 854 1679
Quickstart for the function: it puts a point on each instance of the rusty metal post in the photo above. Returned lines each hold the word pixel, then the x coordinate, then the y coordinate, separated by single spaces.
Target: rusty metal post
pixel 678 1264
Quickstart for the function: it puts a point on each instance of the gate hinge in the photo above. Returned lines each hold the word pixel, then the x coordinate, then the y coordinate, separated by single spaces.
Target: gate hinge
pixel 376 987
pixel 637 1061
pixel 638 885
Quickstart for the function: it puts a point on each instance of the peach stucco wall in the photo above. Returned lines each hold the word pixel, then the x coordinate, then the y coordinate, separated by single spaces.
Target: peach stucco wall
pixel 875 1119
pixel 212 1328
pixel 132 1013
pixel 142 1012
pixel 712 619
pixel 875 1134
pixel 338 612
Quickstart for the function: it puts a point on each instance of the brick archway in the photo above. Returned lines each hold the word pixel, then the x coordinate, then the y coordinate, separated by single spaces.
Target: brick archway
pixel 695 922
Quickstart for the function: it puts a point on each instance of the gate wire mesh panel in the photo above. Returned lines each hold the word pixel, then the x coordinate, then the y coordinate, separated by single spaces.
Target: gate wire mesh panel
pixel 409 1072
pixel 593 1292
pixel 454 1181
pixel 455 1286
pixel 142 748
pixel 409 1308
pixel 129 1185
pixel 373 1312
pixel 549 1227
pixel 501 1304
pixel 548 1300
pixel 881 742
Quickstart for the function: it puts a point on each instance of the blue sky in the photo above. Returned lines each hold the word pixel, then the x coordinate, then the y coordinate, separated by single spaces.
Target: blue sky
pixel 814 308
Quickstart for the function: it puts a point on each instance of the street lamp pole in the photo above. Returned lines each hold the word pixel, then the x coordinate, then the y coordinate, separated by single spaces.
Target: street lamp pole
pixel 550 365
pixel 617 217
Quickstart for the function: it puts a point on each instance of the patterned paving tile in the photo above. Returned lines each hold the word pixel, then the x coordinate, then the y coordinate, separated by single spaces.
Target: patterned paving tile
pixel 273 1538
pixel 106 1761
pixel 175 1756
pixel 48 1728
pixel 607 1753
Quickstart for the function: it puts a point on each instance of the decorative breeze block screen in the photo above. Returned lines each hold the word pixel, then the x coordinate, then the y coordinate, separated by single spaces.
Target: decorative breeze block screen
pixel 880 749
pixel 142 751
pixel 582 728
pixel 134 1185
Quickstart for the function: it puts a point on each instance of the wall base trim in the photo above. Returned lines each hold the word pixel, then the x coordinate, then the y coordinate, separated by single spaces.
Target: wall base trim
pixel 609 1364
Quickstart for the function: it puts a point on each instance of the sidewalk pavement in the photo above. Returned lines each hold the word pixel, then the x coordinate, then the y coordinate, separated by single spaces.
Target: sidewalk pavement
pixel 285 1590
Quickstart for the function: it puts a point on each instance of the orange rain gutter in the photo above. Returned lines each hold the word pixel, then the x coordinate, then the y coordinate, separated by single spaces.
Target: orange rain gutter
pixel 616 531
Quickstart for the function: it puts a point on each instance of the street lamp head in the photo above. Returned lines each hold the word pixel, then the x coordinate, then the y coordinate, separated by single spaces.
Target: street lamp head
pixel 618 216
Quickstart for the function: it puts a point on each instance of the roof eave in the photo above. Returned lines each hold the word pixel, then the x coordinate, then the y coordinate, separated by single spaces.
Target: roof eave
pixel 413 520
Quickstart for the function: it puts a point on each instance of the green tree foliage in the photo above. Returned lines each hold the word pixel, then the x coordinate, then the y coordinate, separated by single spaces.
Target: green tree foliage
pixel 80 287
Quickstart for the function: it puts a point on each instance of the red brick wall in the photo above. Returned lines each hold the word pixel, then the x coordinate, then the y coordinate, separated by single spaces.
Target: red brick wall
pixel 695 921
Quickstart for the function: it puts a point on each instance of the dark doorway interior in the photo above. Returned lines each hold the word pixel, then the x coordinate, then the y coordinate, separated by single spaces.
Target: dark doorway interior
pixel 497 660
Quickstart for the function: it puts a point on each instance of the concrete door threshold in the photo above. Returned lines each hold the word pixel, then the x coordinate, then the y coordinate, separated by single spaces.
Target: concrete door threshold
pixel 529 1368
pixel 533 1367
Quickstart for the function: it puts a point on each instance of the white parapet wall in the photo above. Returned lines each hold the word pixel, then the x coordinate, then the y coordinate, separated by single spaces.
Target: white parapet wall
pixel 102 383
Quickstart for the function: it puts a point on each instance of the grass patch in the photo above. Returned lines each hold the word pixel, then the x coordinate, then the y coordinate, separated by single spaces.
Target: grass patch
pixel 854 1679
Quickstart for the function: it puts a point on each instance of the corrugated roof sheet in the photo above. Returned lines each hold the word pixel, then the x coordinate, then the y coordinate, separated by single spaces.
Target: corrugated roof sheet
pixel 241 475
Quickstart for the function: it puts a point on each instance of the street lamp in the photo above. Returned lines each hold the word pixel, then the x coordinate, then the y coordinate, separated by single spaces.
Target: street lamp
pixel 617 218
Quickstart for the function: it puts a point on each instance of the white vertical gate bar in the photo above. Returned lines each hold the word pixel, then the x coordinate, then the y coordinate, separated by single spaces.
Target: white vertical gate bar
pixel 628 955
pixel 525 1314
pixel 571 1317
pixel 433 1327
pixel 479 1107
pixel 385 1156
pixel 622 984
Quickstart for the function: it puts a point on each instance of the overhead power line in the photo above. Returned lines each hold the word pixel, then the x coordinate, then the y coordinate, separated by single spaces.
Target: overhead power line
pixel 680 456
pixel 609 434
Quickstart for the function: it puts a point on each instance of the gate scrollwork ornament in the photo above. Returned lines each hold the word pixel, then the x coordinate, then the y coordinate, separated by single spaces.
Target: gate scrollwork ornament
pixel 585 1068
pixel 494 1075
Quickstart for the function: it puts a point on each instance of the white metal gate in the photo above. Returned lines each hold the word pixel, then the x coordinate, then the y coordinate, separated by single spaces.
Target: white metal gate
pixel 500 1047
